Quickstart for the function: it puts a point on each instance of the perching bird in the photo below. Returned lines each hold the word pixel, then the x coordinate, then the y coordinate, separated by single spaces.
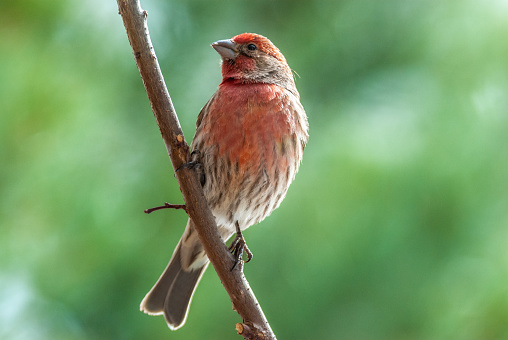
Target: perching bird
pixel 250 136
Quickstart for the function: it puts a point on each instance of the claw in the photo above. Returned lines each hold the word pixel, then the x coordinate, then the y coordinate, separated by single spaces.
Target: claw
pixel 194 164
pixel 238 246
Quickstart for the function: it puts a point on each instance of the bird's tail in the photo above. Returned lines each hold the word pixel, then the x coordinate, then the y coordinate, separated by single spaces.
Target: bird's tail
pixel 172 294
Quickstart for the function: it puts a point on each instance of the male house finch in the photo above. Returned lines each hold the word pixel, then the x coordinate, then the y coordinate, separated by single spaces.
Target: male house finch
pixel 250 135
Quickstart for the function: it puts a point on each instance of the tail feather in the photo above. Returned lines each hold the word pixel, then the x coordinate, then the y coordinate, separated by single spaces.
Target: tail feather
pixel 179 298
pixel 172 294
pixel 153 303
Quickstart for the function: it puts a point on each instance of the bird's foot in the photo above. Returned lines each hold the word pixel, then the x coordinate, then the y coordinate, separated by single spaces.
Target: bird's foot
pixel 238 247
pixel 194 164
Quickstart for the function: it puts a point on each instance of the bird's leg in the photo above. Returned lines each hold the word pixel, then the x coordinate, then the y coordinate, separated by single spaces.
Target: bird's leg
pixel 166 206
pixel 238 246
pixel 194 164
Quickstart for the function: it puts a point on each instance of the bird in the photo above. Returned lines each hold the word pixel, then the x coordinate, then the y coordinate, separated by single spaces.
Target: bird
pixel 250 137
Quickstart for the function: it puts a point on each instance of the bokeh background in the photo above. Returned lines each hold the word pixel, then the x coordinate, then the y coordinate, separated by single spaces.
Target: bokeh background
pixel 396 225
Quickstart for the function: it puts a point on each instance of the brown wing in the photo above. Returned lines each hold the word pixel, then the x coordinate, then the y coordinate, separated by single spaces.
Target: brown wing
pixel 205 110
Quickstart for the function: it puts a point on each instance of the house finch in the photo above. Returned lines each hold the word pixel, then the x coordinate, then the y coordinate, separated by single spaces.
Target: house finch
pixel 250 135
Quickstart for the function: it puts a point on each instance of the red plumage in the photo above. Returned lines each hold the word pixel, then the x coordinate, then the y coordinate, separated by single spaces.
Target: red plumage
pixel 251 135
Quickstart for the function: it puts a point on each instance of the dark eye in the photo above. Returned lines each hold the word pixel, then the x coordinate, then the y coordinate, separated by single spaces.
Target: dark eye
pixel 252 47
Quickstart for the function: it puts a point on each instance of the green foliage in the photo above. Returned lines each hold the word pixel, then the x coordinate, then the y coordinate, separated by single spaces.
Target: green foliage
pixel 395 228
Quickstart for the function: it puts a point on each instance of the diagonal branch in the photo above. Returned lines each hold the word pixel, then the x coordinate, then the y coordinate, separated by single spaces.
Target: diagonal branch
pixel 244 301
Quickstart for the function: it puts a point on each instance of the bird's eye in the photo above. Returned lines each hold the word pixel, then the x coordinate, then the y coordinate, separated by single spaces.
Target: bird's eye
pixel 252 47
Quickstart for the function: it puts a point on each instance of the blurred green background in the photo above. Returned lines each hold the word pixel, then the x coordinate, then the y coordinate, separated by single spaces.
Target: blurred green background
pixel 396 225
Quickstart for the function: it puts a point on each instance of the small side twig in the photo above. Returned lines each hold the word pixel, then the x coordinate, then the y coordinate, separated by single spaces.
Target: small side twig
pixel 166 206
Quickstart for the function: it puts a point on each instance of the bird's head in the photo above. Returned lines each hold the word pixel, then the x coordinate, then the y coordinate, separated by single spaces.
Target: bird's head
pixel 252 58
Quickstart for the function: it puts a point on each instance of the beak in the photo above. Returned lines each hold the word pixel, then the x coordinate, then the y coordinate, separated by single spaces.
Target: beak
pixel 226 49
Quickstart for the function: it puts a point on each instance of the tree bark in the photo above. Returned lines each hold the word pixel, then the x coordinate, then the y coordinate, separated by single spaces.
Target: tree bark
pixel 242 297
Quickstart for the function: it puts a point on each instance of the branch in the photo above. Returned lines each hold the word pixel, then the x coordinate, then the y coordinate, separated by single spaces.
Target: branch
pixel 242 297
